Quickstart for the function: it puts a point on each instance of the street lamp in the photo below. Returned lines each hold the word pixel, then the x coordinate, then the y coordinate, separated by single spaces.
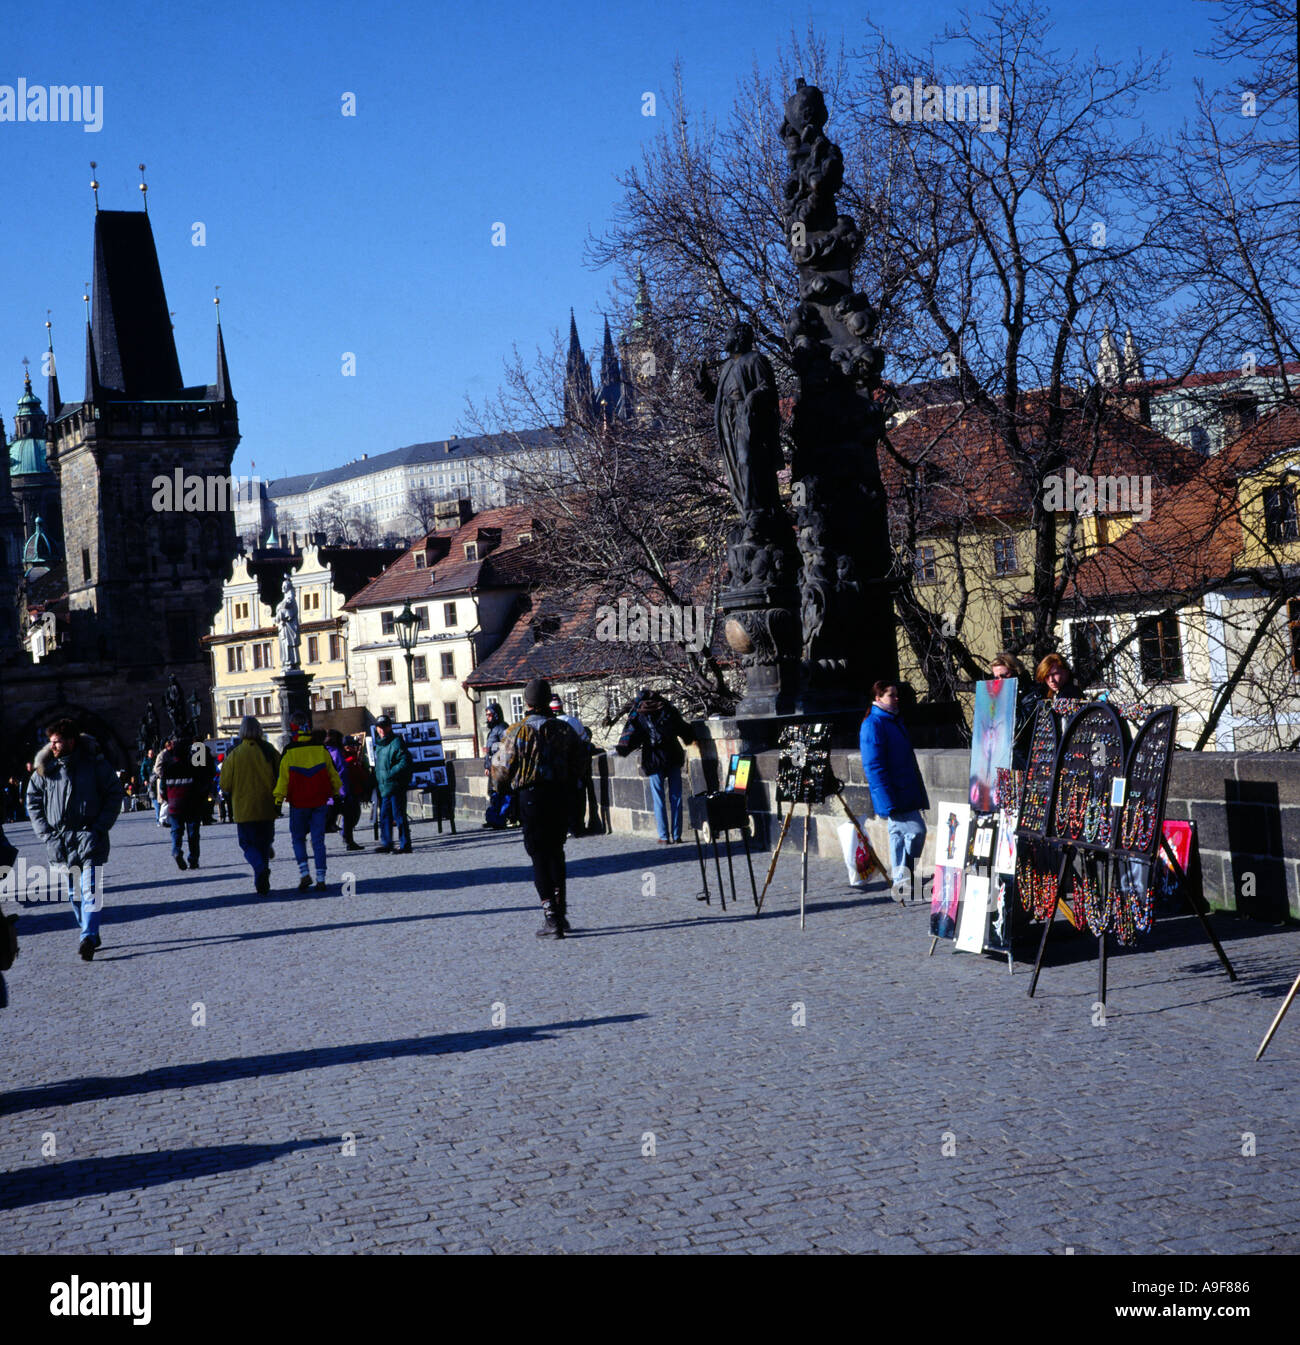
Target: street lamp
pixel 408 626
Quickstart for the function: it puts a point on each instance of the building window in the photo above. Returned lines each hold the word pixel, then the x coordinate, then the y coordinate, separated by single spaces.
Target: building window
pixel 311 600
pixel 420 668
pixel 235 658
pixel 1004 555
pixel 262 654
pixel 516 707
pixel 85 565
pixel 313 649
pixel 926 570
pixel 449 614
pixel 1089 646
pixel 336 700
pixel 449 665
pixel 235 709
pixel 386 626
pixel 1293 621
pixel 471 550
pixel 451 714
pixel 1162 652
pixel 385 672
pixel 336 648
pixel 389 710
pixel 1280 523
pixel 419 560
pixel 261 706
pixel 423 614
pixel 421 711
pixel 241 611
pixel 1013 630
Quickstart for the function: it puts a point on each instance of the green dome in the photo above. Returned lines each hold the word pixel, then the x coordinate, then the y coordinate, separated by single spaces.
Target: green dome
pixel 37 550
pixel 27 457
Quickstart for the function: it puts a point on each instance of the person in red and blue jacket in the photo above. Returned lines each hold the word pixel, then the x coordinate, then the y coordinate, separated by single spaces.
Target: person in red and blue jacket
pixel 308 781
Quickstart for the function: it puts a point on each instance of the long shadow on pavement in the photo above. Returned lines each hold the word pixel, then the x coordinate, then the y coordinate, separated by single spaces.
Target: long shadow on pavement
pixel 134 1172
pixel 201 1072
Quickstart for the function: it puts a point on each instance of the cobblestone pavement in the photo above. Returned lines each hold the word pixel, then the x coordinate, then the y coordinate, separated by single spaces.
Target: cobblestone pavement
pixel 404 1067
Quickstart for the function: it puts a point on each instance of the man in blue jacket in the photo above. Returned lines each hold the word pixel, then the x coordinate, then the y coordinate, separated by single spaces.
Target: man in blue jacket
pixel 897 790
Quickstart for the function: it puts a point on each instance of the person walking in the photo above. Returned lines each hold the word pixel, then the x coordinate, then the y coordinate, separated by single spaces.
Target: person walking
pixel 498 804
pixel 894 778
pixel 308 781
pixel 540 761
pixel 248 778
pixel 393 768
pixel 654 726
pixel 186 777
pixel 73 800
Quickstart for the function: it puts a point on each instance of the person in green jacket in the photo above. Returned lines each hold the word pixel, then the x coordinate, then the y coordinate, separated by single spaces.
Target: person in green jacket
pixel 248 777
pixel 393 769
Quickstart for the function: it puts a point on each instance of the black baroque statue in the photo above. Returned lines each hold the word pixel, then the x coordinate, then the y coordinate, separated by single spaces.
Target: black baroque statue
pixel 175 703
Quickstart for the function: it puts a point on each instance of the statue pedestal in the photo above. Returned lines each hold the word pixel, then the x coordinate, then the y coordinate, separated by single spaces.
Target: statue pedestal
pixel 295 694
pixel 762 629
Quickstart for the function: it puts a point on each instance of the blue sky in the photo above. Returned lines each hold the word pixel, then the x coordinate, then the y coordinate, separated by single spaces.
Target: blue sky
pixel 372 234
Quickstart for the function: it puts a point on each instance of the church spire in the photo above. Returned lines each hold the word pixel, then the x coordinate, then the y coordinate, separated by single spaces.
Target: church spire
pixel 579 393
pixel 52 402
pixel 93 389
pixel 223 370
pixel 610 373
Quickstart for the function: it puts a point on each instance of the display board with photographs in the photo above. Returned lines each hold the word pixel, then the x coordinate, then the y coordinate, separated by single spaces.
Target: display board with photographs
pixel 1090 760
pixel 423 739
pixel 993 732
pixel 738 771
pixel 1140 812
pixel 1040 772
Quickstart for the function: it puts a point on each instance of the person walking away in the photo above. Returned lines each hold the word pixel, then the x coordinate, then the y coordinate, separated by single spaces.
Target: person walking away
pixel 655 726
pixel 248 778
pixel 357 787
pixel 223 803
pixel 393 768
pixel 894 778
pixel 539 760
pixel 186 777
pixel 308 781
pixel 498 803
pixel 73 800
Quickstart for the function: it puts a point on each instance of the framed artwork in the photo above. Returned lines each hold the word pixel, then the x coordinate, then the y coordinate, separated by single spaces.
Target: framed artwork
pixel 432 731
pixel 1004 857
pixel 973 921
pixel 738 773
pixel 993 732
pixel 983 846
pixel 1002 904
pixel 438 777
pixel 944 902
pixel 950 837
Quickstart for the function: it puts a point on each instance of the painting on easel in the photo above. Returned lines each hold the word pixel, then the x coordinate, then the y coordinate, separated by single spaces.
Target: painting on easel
pixel 944 903
pixel 993 732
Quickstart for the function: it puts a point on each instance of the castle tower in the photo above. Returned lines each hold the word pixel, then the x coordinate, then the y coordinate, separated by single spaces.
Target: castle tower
pixel 143 577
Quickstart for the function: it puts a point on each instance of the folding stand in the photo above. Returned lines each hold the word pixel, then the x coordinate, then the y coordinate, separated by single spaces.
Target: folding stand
pixel 724 812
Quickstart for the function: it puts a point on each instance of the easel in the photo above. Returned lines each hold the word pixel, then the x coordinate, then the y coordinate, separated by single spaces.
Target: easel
pixel 720 813
pixel 1066 861
pixel 873 861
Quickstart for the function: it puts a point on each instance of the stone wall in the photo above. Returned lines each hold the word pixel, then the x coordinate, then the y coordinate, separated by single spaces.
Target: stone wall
pixel 1246 806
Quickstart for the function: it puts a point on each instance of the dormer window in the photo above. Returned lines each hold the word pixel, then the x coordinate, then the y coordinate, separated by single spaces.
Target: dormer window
pixel 471 550
pixel 419 560
pixel 524 537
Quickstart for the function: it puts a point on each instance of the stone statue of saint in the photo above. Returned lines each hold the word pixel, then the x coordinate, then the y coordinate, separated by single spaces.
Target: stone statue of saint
pixel 286 618
pixel 196 712
pixel 175 704
pixel 151 726
pixel 747 420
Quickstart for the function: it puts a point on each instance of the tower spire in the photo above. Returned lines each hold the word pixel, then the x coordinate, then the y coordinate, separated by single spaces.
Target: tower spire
pixel 94 185
pixel 53 404
pixel 223 370
pixel 144 190
pixel 92 368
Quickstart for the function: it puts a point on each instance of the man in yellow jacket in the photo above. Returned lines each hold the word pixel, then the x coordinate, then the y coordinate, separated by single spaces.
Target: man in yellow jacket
pixel 308 780
pixel 248 777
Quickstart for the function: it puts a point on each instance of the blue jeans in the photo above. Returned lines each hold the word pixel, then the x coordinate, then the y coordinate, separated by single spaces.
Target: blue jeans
pixel 302 820
pixel 191 834
pixel 906 838
pixel 86 904
pixel 392 813
pixel 255 840
pixel 671 785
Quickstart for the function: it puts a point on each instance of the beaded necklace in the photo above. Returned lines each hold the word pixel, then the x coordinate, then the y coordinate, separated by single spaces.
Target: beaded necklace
pixel 1092 815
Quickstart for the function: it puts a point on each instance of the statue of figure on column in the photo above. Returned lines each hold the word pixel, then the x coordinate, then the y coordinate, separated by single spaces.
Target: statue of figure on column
pixel 286 619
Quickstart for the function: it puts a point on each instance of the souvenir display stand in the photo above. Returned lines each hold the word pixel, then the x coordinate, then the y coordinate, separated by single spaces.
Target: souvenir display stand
pixel 804 776
pixel 1093 810
pixel 723 811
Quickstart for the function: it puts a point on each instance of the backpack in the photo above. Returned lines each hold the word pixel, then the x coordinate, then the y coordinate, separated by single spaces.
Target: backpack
pixel 652 722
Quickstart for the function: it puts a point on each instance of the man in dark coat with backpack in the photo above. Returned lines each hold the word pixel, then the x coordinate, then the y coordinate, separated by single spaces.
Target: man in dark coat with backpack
pixel 541 759
pixel 655 727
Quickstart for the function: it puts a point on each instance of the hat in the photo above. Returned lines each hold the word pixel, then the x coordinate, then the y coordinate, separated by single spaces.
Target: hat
pixel 383 722
pixel 537 693
pixel 556 703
